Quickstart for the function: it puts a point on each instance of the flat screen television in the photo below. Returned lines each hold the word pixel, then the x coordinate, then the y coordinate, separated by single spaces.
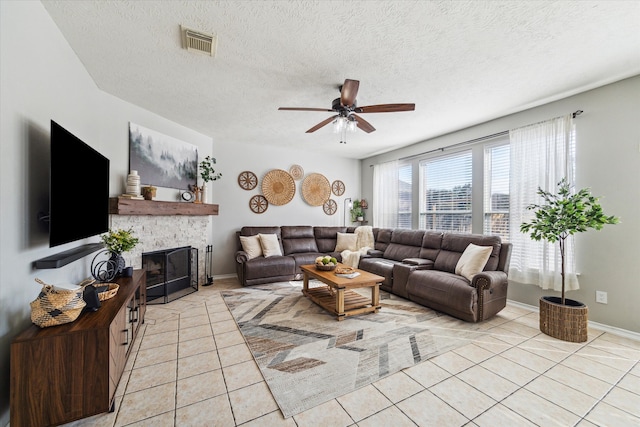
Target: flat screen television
pixel 78 189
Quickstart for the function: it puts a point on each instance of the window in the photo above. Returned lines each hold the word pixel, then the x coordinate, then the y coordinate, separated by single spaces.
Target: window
pixel 445 193
pixel 405 198
pixel 496 190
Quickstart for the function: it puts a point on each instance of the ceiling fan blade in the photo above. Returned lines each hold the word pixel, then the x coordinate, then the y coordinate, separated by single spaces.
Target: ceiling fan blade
pixel 304 109
pixel 385 108
pixel 322 123
pixel 363 124
pixel 349 92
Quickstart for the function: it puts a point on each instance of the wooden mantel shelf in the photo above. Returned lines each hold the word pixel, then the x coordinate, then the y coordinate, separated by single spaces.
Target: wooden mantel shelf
pixel 125 206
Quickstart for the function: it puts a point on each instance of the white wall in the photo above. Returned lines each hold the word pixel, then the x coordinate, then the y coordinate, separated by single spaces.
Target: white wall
pixel 608 162
pixel 234 211
pixel 42 79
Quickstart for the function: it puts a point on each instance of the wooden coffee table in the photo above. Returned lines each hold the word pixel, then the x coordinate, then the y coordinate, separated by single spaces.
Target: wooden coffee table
pixel 338 296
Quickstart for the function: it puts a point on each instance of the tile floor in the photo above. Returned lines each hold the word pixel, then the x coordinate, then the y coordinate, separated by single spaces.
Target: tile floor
pixel 191 367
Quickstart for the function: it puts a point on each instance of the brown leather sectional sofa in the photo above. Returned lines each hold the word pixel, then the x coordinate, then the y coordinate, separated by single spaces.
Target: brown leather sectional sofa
pixel 418 265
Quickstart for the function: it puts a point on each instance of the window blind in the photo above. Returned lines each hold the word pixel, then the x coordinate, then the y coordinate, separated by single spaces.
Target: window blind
pixel 445 193
pixel 405 198
pixel 496 190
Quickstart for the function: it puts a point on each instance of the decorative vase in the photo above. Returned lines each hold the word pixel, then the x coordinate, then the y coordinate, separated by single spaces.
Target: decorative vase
pixel 360 218
pixel 567 322
pixel 203 193
pixel 118 262
pixel 133 184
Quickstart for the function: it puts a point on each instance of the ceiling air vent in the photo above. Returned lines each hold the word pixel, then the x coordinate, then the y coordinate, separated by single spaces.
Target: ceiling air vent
pixel 197 41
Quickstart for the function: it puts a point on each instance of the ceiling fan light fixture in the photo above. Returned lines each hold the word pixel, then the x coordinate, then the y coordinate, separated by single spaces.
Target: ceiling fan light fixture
pixel 352 126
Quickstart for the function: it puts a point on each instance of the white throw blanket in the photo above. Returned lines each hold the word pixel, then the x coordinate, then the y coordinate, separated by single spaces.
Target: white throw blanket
pixel 365 242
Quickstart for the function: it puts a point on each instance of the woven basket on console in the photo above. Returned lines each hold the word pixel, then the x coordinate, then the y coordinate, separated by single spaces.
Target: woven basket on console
pixel 566 322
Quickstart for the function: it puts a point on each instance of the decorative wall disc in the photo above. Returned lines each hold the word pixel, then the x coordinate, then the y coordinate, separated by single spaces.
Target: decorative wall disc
pixel 337 187
pixel 278 187
pixel 247 180
pixel 330 207
pixel 316 189
pixel 258 204
pixel 296 172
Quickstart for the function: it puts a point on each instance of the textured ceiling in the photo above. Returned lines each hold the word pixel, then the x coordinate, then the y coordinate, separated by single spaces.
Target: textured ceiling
pixel 460 62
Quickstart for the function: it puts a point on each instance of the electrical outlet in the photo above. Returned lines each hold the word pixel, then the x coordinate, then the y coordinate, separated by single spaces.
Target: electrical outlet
pixel 601 297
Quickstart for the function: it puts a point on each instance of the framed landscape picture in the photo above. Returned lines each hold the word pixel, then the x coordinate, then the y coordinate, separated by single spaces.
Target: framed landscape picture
pixel 162 160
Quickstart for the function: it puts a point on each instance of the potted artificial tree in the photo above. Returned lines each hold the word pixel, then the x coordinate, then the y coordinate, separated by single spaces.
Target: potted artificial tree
pixel 562 215
pixel 207 173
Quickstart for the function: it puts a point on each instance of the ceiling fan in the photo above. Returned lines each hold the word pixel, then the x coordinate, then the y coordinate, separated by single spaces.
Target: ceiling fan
pixel 346 108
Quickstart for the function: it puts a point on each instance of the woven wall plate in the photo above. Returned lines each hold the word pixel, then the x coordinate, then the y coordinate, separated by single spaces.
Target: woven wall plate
pixel 296 172
pixel 278 187
pixel 247 180
pixel 316 189
pixel 330 207
pixel 258 204
pixel 338 187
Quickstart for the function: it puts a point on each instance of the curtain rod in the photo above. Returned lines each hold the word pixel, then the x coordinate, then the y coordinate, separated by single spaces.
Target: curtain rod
pixel 473 141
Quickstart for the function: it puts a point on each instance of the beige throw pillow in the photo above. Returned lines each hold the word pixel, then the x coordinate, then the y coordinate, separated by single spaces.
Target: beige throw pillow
pixel 473 260
pixel 251 245
pixel 347 241
pixel 270 245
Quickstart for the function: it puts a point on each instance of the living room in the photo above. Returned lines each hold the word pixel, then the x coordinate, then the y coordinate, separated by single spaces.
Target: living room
pixel 50 82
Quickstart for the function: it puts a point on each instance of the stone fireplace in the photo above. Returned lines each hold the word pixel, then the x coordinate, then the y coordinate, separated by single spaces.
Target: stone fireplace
pixel 171 273
pixel 164 232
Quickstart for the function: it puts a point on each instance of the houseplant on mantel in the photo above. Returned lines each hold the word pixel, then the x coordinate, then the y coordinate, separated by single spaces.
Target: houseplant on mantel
pixel 207 173
pixel 562 215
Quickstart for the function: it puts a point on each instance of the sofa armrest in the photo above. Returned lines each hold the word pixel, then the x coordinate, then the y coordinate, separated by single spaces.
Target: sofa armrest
pixel 419 263
pixel 374 253
pixel 242 257
pixel 488 280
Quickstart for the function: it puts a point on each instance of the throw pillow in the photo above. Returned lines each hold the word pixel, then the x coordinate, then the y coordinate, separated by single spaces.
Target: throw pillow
pixel 473 260
pixel 270 245
pixel 251 245
pixel 347 241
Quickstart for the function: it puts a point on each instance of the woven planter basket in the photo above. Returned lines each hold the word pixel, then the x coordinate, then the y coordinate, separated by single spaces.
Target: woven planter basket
pixel 566 322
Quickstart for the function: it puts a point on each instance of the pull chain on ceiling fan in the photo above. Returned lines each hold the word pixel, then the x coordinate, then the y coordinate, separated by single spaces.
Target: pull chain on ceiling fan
pixel 346 108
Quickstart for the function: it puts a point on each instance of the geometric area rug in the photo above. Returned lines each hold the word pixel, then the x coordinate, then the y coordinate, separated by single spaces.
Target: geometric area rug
pixel 307 357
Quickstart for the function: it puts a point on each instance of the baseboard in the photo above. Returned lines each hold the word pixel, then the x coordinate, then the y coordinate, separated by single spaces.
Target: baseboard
pixel 595 325
pixel 225 276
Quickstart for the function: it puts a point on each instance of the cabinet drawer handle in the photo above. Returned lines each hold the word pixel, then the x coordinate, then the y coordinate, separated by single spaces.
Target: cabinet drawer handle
pixel 127 340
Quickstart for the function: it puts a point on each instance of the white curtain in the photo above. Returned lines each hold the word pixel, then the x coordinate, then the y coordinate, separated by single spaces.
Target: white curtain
pixel 385 195
pixel 541 155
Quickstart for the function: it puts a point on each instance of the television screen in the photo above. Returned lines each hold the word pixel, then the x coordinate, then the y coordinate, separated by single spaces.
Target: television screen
pixel 78 189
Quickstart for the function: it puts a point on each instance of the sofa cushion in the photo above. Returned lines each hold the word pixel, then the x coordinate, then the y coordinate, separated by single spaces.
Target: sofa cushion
pixel 381 267
pixel 251 245
pixel 304 259
pixel 326 237
pixel 473 260
pixel 298 239
pixel 454 244
pixel 382 238
pixel 270 245
pixel 273 266
pixel 443 291
pixel 431 243
pixel 404 244
pixel 346 242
